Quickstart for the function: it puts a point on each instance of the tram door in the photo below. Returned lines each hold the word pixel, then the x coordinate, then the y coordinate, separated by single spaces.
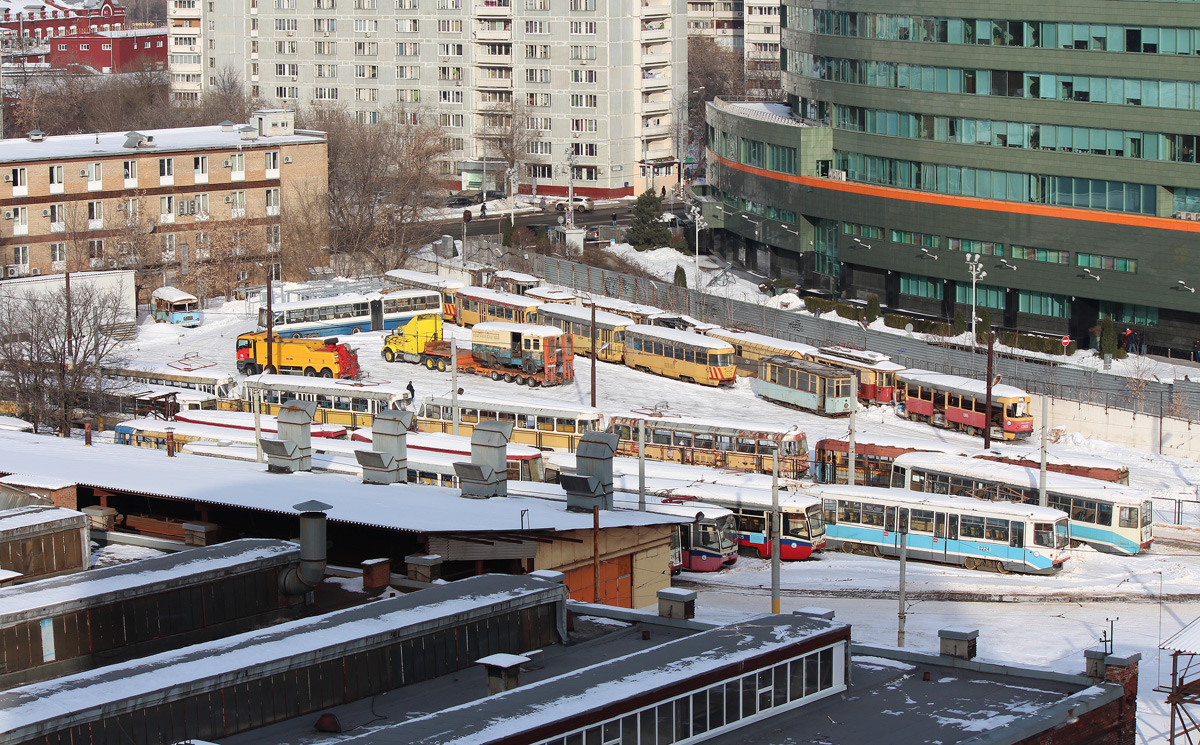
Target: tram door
pixel 952 534
pixel 939 533
pixel 889 525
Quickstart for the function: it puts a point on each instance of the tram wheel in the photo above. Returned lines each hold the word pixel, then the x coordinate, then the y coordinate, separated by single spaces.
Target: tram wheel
pixel 849 548
pixel 999 568
pixel 971 562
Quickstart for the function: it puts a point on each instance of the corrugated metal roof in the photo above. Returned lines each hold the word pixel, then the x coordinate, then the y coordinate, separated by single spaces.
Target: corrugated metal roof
pixel 1186 639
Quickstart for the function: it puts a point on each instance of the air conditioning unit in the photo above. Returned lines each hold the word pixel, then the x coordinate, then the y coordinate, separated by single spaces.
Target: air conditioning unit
pixel 1187 215
pixel 112 263
pixel 8 215
pixel 45 213
pixel 7 178
pixel 326 34
pixel 228 200
pixel 227 164
pixel 14 271
pixel 291 33
pixel 83 173
pixel 36 271
pixel 287 159
pixel 837 174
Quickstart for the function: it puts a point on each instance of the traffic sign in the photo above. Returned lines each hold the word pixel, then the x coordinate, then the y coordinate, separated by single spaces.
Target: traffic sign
pixel 1066 340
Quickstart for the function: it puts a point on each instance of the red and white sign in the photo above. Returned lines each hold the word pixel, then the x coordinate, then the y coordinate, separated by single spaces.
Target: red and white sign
pixel 1066 340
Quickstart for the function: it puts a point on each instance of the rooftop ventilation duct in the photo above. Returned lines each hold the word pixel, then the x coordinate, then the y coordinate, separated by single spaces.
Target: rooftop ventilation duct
pixel 583 492
pixel 134 139
pixel 594 458
pixel 227 126
pixel 301 579
pixel 387 460
pixel 487 473
pixel 292 450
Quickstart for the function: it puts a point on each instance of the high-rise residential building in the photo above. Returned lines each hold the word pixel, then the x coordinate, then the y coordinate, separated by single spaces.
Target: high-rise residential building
pixel 1054 146
pixel 751 27
pixel 601 85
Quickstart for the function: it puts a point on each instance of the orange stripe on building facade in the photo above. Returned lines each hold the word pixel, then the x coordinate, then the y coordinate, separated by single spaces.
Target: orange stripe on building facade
pixel 974 203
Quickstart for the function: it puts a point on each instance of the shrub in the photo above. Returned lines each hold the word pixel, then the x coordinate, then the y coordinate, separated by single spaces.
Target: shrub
pixel 680 276
pixel 818 305
pixel 851 312
pixel 1108 337
pixel 982 326
pixel 960 322
pixel 872 310
pixel 506 228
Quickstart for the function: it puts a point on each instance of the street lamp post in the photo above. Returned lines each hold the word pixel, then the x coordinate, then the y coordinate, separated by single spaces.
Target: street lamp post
pixel 699 222
pixel 975 268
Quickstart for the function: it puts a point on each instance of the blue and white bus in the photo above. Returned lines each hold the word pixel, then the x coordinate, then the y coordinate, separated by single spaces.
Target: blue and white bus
pixel 973 533
pixel 350 314
pixel 1108 517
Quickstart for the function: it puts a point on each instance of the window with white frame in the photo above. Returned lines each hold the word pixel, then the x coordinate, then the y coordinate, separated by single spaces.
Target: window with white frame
pixel 583 125
pixel 95 210
pixel 366 117
pixel 95 248
pixel 287 24
pixel 325 25
pixel 450 50
pixel 271 160
pixel 237 203
pixel 537 99
pixel 285 47
pixel 366 94
pixel 325 71
pixel 583 52
pixel 366 25
pixel 58 213
pixel 58 252
pixel 584 28
pixel 537 75
pixel 406 4
pixel 541 123
pixel 166 206
pixel 583 100
pixel 450 120
pixel 449 73
pixel 454 96
pixel 366 72
pixel 539 171
pixel 272 197
pixel 537 27
pixel 408 95
pixel 289 70
pixel 21 254
pixel 408 48
pixel 586 149
pixel 326 47
pixel 365 49
pixel 583 76
pixel 538 147
pixel 364 4
pixel 274 238
pixel 324 4
pixel 537 51
pixel 200 165
pixel 450 26
pixel 56 175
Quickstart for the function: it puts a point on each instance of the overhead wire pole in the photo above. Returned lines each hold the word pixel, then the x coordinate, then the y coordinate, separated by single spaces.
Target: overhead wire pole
pixel 595 352
pixel 1042 499
pixel 642 465
pixel 902 514
pixel 776 528
pixel 987 421
pixel 851 455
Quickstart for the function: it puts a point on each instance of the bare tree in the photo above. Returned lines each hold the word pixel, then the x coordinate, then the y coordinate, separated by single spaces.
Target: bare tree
pixel 381 186
pixel 506 134
pixel 713 70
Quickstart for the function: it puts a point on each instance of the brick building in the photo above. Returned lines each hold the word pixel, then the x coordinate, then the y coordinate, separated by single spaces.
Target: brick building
pixel 23 23
pixel 112 51
pixel 199 207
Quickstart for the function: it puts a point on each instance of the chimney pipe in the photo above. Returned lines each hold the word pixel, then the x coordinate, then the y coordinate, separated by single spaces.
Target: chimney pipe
pixel 303 578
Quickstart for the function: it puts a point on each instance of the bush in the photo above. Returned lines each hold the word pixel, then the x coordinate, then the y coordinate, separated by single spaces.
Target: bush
pixel 872 311
pixel 1108 337
pixel 645 229
pixel 851 312
pixel 983 326
pixel 960 322
pixel 680 276
pixel 818 305
pixel 506 228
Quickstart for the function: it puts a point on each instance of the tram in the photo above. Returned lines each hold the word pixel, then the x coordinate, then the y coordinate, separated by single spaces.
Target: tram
pixel 448 287
pixel 689 357
pixel 955 402
pixel 716 443
pixel 805 385
pixel 577 321
pixel 478 304
pixel 876 372
pixel 547 427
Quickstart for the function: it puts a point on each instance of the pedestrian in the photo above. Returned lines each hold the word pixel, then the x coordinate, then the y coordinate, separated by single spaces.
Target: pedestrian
pixel 1196 351
pixel 1125 339
pixel 412 392
pixel 542 204
pixel 664 192
pixel 614 223
pixel 483 211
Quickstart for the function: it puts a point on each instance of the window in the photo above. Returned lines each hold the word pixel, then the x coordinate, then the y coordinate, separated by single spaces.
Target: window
pixel 537 51
pixel 583 4
pixel 365 49
pixel 579 52
pixel 325 71
pixel 538 147
pixel 287 70
pixel 406 4
pixel 450 50
pixel 166 168
pixel 366 25
pixel 449 73
pixel 95 172
pixel 326 47
pixel 85 47
pixel 366 94
pixel 282 47
pixel 364 4
pixel 287 24
pixel 369 72
pixel 583 125
pixel 271 160
pixel 95 248
pixel 1043 304
pixel 582 76
pixel 1114 263
pixel 587 28
pixel 916 239
pixel 166 206
pixel 537 99
pixel 449 26
pixel 324 25
pixel 584 100
pixel 585 149
pixel 95 210
pixel 987 248
pixel 21 254
pixel 537 75
pixel 408 72
pixel 1047 255
pixel 540 171
pixel 911 284
pixel 58 252
pixel 537 27
pixel 200 165
pixel 129 168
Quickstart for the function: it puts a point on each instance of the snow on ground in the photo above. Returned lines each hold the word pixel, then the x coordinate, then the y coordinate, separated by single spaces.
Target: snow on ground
pixel 120 553
pixel 661 263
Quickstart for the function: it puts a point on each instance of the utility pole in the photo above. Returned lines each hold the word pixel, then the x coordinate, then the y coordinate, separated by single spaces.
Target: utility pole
pixel 1042 499
pixel 571 190
pixel 270 323
pixel 776 528
pixel 70 331
pixel 454 385
pixel 258 454
pixel 595 353
pixel 903 615
pixel 851 455
pixel 642 465
pixel 987 421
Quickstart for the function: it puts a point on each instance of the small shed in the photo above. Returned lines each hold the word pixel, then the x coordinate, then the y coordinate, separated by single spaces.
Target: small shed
pixel 42 541
pixel 18 490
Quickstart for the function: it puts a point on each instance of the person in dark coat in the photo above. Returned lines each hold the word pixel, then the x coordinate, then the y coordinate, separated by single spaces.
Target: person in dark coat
pixel 482 211
pixel 1196 351
pixel 412 392
pixel 664 192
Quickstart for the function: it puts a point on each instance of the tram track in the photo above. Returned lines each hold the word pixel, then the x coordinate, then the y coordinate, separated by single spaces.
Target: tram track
pixel 949 596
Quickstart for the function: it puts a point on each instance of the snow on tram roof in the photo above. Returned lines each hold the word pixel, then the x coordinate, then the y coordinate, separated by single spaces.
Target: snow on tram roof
pixel 944 501
pixel 749 337
pixel 433 280
pixel 496 296
pixel 518 404
pixel 860 357
pixel 682 337
pixel 517 328
pixel 1022 476
pixel 959 384
pixel 583 315
pixel 703 423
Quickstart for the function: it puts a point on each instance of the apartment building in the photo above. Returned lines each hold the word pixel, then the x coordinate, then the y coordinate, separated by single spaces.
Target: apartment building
pixel 749 26
pixel 601 84
pixel 199 207
pixel 1051 150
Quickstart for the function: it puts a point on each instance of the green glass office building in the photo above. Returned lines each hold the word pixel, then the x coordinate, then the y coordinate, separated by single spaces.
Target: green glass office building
pixel 1055 141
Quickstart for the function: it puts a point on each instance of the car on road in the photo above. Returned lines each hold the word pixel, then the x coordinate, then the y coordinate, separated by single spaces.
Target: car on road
pixel 460 201
pixel 488 196
pixel 582 204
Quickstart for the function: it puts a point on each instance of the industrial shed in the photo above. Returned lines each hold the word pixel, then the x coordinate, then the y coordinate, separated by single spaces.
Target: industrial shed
pixel 43 541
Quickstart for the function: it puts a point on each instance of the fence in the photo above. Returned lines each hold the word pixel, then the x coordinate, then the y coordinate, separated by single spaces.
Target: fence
pixel 1141 394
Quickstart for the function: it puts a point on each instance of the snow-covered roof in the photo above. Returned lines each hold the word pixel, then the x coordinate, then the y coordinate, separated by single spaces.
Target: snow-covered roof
pixel 693 423
pixel 208 374
pixel 749 337
pixel 582 314
pixel 618 305
pixel 49 483
pixel 859 358
pixel 112 144
pixel 1022 476
pixel 433 280
pixel 674 335
pixel 496 296
pixel 327 386
pixel 136 389
pixel 406 507
pixel 15 424
pixel 519 405
pixel 551 294
pixel 959 384
pixel 239 420
pixel 622 500
pixel 1185 640
pixel 173 295
pixel 661 319
pixel 516 328
pixel 35 514
pixel 935 501
pixel 517 276
pixel 61 594
pixel 350 298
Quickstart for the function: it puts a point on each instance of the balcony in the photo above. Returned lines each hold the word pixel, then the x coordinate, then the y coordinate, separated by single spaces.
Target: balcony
pixel 273 210
pixel 494 59
pixel 655 31
pixel 651 8
pixel 58 266
pixel 655 80
pixel 492 9
pixel 488 35
pixel 656 107
pixel 503 83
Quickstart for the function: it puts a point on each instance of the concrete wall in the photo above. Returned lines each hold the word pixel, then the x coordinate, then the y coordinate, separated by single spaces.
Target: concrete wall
pixel 1165 435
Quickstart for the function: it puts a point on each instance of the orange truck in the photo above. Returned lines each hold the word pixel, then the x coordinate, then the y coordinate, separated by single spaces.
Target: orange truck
pixel 324 358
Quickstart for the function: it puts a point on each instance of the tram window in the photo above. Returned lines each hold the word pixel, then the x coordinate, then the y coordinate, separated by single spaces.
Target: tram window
pixel 679 353
pixel 657 348
pixel 766 447
pixel 752 524
pixel 527 421
pixel 703 441
pixel 1017 408
pixel 1147 513
pixel 636 343
pixel 1043 534
pixel 689 355
pixel 872 514
pixel 952 401
pixel 468 415
pixel 506 416
pixel 939 529
pixel 324 402
pixel 972 526
pixel 849 512
pixel 1104 513
pixel 996 530
pixel 660 436
pixel 1083 510
pixel 981 406
pixel 1129 517
pixel 341 403
pixel 625 432
pixel 359 404
pixel 487 416
pixel 1059 502
pixel 1018 535
pixel 683 439
pixel 745 445
pixel 565 425
pixel 545 423
pixel 724 442
pixel 921 521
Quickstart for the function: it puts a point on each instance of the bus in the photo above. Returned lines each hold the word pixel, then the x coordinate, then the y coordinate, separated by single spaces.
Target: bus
pixel 707 543
pixel 479 304
pixel 876 372
pixel 1109 518
pixel 547 426
pixel 809 386
pixel 350 313
pixel 172 305
pixel 577 321
pixel 750 348
pixel 715 443
pixel 447 287
pixel 874 454
pixel 994 536
pixel 349 403
pixel 803 530
pixel 955 402
pixel 208 379
pixel 689 357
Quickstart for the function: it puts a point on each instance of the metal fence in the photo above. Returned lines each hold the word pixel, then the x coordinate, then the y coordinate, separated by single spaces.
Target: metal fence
pixel 1142 394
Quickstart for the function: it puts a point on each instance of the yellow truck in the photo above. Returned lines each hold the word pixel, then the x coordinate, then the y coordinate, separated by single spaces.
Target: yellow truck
pixel 325 358
pixel 408 342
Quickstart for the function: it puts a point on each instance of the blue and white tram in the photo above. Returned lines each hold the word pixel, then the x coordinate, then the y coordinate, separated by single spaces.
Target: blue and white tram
pixel 996 536
pixel 802 384
pixel 1108 517
pixel 350 314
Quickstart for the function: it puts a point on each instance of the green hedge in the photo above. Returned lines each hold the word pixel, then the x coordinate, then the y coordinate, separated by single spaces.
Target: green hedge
pixel 920 325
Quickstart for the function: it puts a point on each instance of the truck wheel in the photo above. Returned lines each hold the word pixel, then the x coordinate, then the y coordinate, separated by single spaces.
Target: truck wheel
pixel 355 330
pixel 429 363
pixel 529 366
pixel 441 365
pixel 310 372
pixel 492 360
pixel 508 378
pixel 495 375
pixel 520 380
pixel 534 382
pixel 326 372
pixel 298 335
pixel 388 355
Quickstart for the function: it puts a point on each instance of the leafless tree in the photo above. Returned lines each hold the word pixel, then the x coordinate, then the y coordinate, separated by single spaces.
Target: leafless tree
pixel 507 135
pixel 713 70
pixel 381 186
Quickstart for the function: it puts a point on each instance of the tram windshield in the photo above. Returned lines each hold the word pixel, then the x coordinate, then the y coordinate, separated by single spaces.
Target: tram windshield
pixel 800 525
pixel 1051 535
pixel 1147 513
pixel 1015 409
pixel 718 535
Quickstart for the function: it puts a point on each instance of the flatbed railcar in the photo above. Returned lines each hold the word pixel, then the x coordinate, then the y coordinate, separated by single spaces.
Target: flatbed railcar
pixel 805 385
pixel 956 402
pixel 976 534
pixel 1108 517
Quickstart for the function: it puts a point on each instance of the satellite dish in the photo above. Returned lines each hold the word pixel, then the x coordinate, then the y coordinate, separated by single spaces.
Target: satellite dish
pixel 908 327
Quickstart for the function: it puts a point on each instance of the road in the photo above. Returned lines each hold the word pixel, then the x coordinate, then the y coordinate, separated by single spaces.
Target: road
pixel 601 216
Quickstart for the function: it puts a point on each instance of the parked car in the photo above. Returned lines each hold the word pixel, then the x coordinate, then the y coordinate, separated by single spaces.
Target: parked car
pixel 488 196
pixel 592 233
pixel 460 201
pixel 582 204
